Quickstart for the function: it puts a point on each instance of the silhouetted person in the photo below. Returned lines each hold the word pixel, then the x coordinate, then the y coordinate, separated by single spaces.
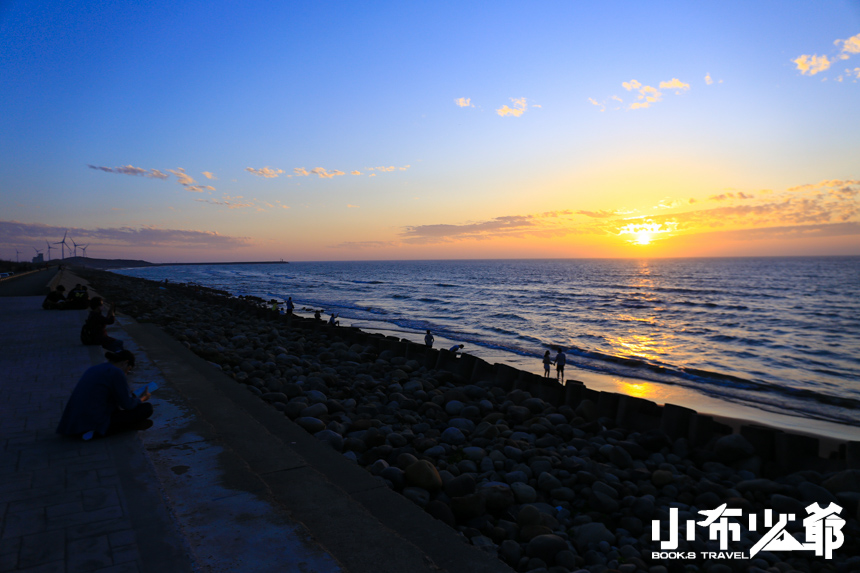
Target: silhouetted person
pixel 94 330
pixel 560 361
pixel 55 299
pixel 102 402
pixel 290 306
pixel 428 339
pixel 456 348
pixel 78 297
pixel 546 362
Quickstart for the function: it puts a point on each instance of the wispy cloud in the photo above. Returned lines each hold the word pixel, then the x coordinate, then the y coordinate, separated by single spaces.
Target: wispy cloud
pixel 828 207
pixel 708 79
pixel 209 175
pixel 322 173
pixel 520 107
pixel 15 232
pixel 647 95
pixel 231 202
pixel 131 170
pixel 181 176
pixel 266 172
pixel 355 172
pixel 464 102
pixel 188 182
pixel 812 64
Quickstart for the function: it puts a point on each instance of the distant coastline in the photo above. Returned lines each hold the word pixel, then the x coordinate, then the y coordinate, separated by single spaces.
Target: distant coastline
pixel 135 263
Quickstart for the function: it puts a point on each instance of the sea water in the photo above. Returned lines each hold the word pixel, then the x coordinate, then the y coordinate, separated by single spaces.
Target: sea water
pixel 777 335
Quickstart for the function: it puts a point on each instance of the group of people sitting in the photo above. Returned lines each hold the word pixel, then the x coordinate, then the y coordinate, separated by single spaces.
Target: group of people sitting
pixel 102 402
pixel 77 299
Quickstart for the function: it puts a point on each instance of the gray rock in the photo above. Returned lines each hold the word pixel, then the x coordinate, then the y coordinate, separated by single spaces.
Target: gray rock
pixel 424 474
pixel 523 492
pixel 417 495
pixel 590 535
pixel 459 486
pixel 846 480
pixel 733 448
pixel 333 439
pixel 546 547
pixel 510 552
pixel 497 495
pixel 620 457
pixel 548 482
pixel 810 493
pixel 315 411
pixel 453 436
pixel 311 425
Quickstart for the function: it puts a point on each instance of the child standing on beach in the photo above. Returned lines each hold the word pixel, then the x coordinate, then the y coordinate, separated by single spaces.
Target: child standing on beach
pixel 546 362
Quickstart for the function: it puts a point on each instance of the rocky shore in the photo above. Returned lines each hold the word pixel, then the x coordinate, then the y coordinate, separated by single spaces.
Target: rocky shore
pixel 548 478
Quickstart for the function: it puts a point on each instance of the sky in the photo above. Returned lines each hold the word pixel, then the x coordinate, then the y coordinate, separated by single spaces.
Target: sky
pixel 225 131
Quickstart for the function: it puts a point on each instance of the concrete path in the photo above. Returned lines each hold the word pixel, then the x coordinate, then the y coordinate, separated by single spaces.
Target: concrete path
pixel 221 482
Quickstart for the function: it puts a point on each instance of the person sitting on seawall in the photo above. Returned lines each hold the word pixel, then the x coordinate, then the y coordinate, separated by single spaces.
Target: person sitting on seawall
pixel 428 339
pixel 102 404
pixel 55 299
pixel 275 305
pixel 456 348
pixel 333 320
pixel 94 330
pixel 78 298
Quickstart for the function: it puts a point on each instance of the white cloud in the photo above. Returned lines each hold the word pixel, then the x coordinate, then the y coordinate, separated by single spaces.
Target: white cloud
pixel 850 46
pixel 209 175
pixel 301 171
pixel 355 172
pixel 675 84
pixel 266 172
pixel 464 102
pixel 520 107
pixel 631 85
pixel 708 79
pixel 811 65
pixel 321 172
pixel 597 103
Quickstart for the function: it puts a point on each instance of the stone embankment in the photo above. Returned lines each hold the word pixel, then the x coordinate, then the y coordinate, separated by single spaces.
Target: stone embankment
pixel 547 477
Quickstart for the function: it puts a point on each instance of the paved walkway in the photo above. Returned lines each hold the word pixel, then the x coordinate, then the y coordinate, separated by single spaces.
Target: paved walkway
pixel 221 482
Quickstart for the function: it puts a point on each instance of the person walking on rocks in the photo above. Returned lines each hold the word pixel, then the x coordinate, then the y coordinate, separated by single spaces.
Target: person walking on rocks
pixel 102 404
pixel 428 339
pixel 560 361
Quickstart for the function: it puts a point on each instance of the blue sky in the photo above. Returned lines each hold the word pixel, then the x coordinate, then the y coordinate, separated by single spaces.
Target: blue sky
pixel 334 130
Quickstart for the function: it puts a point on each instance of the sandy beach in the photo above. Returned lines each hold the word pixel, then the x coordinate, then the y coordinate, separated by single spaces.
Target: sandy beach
pixel 547 477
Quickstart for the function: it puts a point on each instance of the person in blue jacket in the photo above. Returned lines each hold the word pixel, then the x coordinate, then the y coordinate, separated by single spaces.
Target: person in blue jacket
pixel 102 403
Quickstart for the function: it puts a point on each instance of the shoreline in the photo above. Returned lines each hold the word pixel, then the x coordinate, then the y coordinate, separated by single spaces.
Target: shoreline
pixel 831 433
pixel 533 472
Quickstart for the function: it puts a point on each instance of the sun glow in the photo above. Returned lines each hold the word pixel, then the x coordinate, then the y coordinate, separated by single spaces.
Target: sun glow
pixel 647 232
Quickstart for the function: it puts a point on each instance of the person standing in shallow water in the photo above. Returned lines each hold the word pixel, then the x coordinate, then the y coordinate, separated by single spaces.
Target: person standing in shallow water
pixel 428 339
pixel 102 404
pixel 560 361
pixel 547 360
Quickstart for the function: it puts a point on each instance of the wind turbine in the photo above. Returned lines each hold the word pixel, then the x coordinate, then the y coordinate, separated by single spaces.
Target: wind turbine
pixel 76 246
pixel 49 249
pixel 37 250
pixel 62 245
pixel 84 249
pixel 17 252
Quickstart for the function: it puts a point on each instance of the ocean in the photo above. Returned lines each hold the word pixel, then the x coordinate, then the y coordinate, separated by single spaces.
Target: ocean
pixel 773 338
